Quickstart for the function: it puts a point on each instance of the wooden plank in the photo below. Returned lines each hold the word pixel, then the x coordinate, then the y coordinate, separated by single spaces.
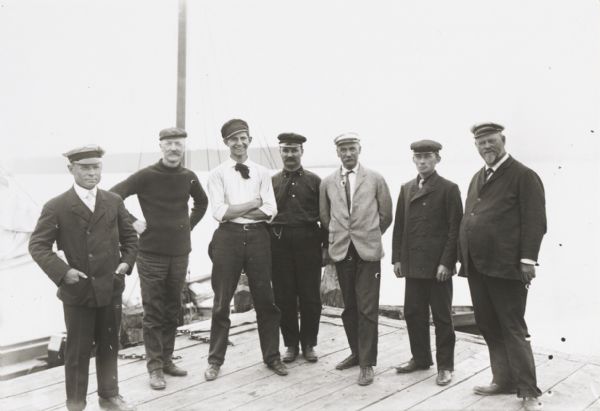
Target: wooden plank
pixel 391 390
pixel 594 407
pixel 577 392
pixel 549 373
pixel 461 395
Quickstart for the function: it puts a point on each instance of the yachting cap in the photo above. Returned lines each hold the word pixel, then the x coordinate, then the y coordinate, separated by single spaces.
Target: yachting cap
pixel 90 154
pixel 173 132
pixel 291 140
pixel 345 138
pixel 484 129
pixel 426 146
pixel 233 127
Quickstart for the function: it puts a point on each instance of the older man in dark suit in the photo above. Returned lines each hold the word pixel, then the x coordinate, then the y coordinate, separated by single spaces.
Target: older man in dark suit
pixel 428 215
pixel 91 227
pixel 500 237
pixel 356 208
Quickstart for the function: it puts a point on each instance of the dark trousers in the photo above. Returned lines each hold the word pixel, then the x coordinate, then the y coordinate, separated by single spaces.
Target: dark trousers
pixel 499 306
pixel 419 295
pixel 359 283
pixel 296 254
pixel 237 247
pixel 161 279
pixel 86 326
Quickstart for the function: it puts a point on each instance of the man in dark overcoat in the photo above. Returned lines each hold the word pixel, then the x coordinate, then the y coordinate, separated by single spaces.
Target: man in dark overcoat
pixel 426 226
pixel 499 241
pixel 91 228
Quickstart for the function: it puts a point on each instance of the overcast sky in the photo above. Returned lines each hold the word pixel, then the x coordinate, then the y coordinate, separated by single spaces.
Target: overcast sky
pixel 77 71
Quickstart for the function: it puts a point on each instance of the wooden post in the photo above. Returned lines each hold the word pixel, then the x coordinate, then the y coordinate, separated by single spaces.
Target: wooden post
pixel 181 63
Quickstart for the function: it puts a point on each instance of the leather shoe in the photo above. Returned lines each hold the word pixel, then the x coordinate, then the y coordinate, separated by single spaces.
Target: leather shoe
pixel 175 371
pixel 493 389
pixel 348 362
pixel 410 367
pixel 290 354
pixel 157 380
pixel 211 372
pixel 116 403
pixel 444 377
pixel 365 377
pixel 532 404
pixel 278 367
pixel 309 354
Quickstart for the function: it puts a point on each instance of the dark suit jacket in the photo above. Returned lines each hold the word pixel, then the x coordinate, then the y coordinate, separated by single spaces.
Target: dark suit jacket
pixel 504 221
pixel 92 243
pixel 426 227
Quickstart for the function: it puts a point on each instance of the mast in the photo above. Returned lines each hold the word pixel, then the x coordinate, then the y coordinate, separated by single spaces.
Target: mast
pixel 181 70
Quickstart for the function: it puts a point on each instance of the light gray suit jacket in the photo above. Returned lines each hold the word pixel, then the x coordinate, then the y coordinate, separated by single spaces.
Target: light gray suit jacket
pixel 370 216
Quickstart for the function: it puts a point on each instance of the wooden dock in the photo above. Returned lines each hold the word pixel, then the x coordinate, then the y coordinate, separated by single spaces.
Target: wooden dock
pixel 569 383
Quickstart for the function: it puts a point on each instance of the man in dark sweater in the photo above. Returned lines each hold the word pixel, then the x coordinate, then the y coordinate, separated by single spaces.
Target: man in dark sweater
pixel 163 190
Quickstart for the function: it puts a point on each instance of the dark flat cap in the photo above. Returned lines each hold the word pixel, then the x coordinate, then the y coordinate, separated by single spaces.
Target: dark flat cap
pixel 345 138
pixel 291 139
pixel 173 132
pixel 232 127
pixel 89 154
pixel 484 129
pixel 426 146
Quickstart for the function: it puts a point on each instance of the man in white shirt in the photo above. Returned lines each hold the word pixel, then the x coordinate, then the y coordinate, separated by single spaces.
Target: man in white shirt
pixel 242 200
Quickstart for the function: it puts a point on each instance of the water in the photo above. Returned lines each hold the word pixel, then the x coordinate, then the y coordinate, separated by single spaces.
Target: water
pixel 563 300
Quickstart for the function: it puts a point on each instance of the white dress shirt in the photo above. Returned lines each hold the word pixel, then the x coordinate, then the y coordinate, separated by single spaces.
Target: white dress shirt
pixel 351 179
pixel 87 196
pixel 227 187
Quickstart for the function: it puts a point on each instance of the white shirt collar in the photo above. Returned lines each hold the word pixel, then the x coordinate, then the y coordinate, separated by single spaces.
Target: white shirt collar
pixel 83 192
pixel 499 163
pixel 231 162
pixel 345 171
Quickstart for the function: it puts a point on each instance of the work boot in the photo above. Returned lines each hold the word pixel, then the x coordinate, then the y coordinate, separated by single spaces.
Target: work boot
pixel 444 377
pixel 157 380
pixel 175 371
pixel 348 362
pixel 211 372
pixel 365 377
pixel 290 354
pixel 116 403
pixel 411 366
pixel 278 367
pixel 493 389
pixel 309 354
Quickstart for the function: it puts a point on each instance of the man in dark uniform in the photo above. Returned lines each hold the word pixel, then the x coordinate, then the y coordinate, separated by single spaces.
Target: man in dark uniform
pixel 500 238
pixel 242 201
pixel 91 227
pixel 163 191
pixel 426 226
pixel 296 240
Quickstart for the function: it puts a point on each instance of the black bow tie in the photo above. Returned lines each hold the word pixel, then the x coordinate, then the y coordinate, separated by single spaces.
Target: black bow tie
pixel 243 170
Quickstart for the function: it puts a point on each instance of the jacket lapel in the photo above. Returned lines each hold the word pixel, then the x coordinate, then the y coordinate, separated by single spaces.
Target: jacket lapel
pixel 496 174
pixel 430 186
pixel 360 178
pixel 340 185
pixel 99 209
pixel 78 207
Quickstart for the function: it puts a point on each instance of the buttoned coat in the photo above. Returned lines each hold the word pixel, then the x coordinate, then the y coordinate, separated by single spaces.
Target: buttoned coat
pixel 504 221
pixel 426 227
pixel 370 216
pixel 93 243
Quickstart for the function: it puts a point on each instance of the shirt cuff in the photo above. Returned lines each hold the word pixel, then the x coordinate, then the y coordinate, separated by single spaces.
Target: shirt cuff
pixel 528 261
pixel 220 212
pixel 269 212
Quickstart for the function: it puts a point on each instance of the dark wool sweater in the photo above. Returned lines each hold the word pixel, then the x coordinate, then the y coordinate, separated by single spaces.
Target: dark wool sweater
pixel 163 193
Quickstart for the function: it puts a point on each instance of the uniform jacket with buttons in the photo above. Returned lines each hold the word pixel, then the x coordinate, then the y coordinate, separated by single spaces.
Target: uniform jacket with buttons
pixel 370 216
pixel 93 243
pixel 504 221
pixel 426 227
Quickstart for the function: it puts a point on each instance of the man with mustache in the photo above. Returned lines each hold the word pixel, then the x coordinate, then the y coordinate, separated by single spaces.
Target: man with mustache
pixel 356 209
pixel 242 201
pixel 499 241
pixel 163 190
pixel 91 227
pixel 428 215
pixel 296 240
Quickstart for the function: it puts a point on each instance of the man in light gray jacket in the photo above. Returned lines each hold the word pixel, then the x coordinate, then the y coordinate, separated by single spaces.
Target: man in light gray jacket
pixel 356 208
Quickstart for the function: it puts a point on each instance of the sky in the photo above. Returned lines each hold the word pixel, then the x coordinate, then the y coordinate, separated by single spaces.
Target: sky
pixel 74 72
